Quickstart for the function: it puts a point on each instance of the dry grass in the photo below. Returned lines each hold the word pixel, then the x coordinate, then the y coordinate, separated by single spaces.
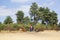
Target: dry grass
pixel 46 35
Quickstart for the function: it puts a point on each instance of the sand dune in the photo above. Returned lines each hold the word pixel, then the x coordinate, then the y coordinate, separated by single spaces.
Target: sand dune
pixel 51 35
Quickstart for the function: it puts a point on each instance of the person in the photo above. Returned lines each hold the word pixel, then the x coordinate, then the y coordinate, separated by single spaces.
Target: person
pixel 31 28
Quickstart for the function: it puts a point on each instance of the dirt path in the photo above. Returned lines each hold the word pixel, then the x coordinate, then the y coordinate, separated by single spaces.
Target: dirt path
pixel 30 36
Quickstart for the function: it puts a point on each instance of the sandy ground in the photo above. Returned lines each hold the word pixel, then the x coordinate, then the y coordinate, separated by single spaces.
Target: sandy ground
pixel 46 35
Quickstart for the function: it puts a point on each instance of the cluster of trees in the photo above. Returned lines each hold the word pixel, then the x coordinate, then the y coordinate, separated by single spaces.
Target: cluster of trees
pixel 44 14
pixel 40 17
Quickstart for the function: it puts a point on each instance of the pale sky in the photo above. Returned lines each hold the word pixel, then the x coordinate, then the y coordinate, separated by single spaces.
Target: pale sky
pixel 10 7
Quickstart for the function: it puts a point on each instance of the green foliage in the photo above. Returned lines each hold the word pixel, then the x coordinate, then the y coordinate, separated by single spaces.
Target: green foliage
pixel 2 26
pixel 34 12
pixel 0 23
pixel 8 27
pixel 50 17
pixel 27 27
pixel 26 20
pixel 8 20
pixel 12 27
pixel 20 16
pixel 39 26
pixel 16 26
pixel 58 28
pixel 59 25
pixel 49 27
pixel 55 27
pixel 44 14
pixel 52 27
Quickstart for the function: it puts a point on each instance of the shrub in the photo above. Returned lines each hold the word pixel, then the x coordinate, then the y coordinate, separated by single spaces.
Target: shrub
pixel 2 26
pixel 55 27
pixel 27 27
pixel 8 27
pixel 52 27
pixel 49 27
pixel 16 26
pixel 39 27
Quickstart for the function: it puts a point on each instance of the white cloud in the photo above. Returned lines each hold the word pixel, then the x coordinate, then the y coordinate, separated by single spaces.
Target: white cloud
pixel 25 9
pixel 4 11
pixel 51 3
pixel 48 0
pixel 48 4
pixel 20 1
